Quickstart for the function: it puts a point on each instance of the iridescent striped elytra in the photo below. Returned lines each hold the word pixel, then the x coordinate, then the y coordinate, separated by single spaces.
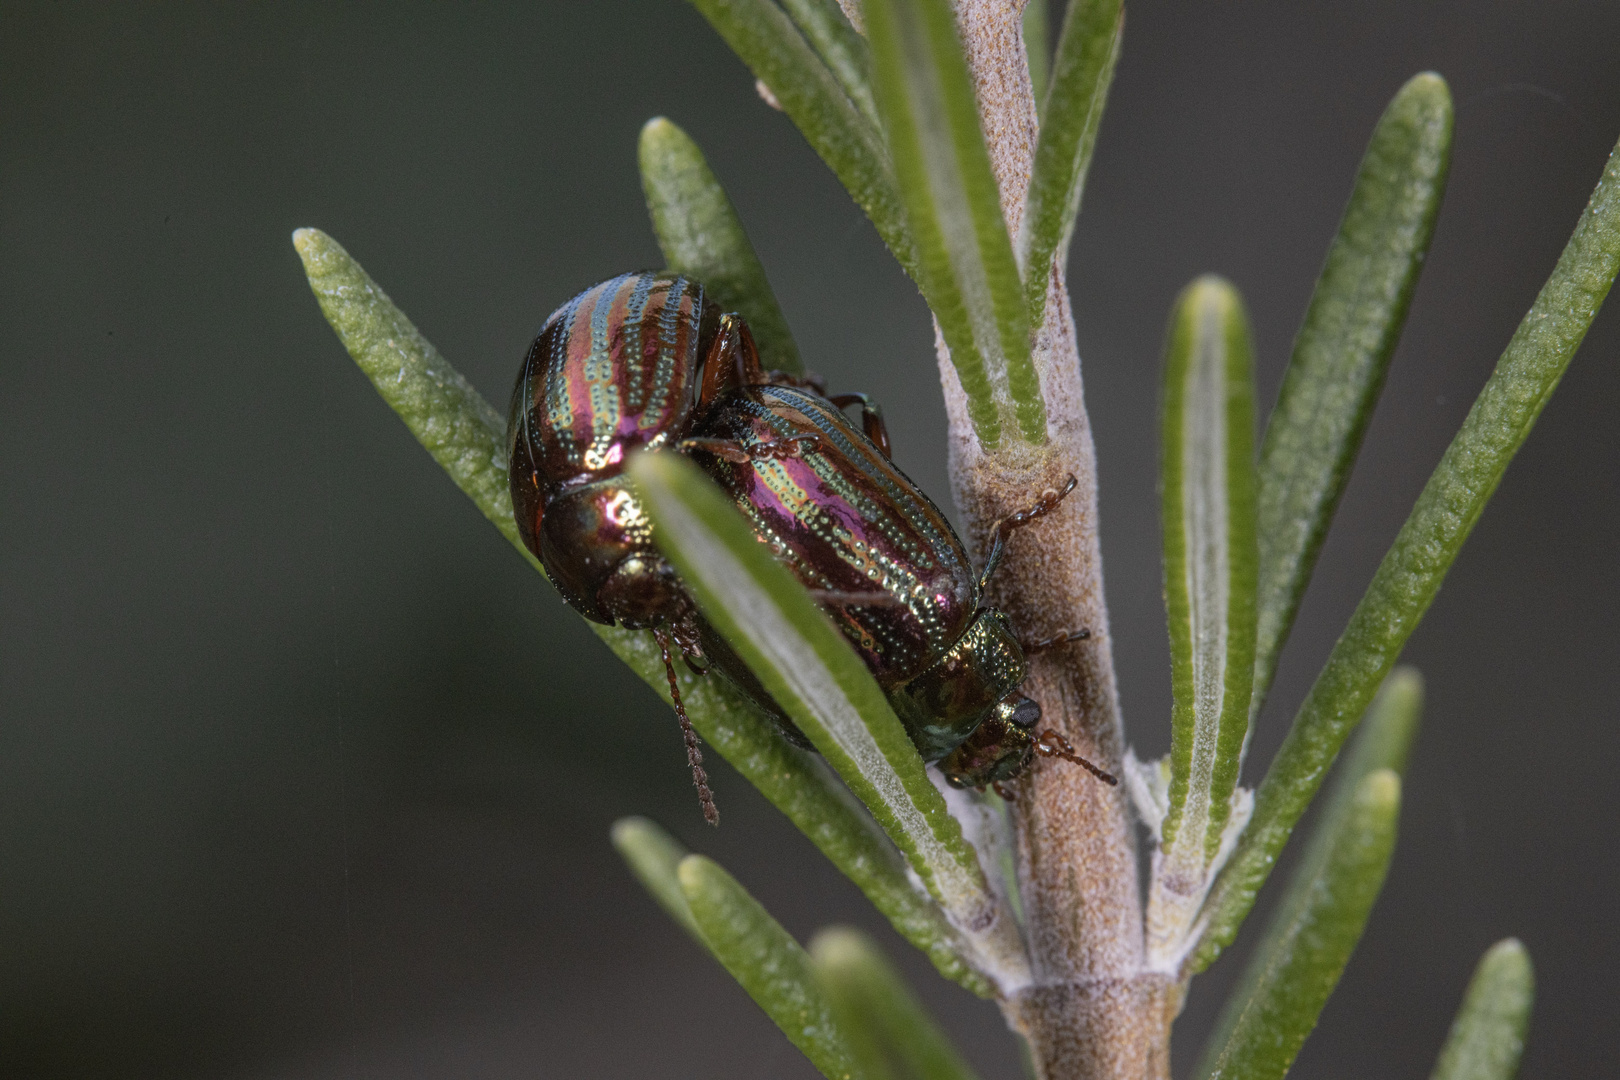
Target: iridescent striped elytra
pixel 644 361
pixel 615 369
pixel 892 573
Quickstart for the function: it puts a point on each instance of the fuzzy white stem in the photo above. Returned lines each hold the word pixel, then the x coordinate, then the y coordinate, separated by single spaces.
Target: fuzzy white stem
pixel 1094 1011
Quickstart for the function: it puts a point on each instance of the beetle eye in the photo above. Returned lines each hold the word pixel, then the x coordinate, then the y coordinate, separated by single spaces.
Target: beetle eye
pixel 1020 710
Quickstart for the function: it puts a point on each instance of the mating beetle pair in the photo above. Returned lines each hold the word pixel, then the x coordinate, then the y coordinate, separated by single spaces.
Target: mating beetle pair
pixel 643 361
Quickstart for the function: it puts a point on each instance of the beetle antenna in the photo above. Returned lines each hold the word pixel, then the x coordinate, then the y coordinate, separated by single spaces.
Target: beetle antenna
pixel 1051 744
pixel 694 756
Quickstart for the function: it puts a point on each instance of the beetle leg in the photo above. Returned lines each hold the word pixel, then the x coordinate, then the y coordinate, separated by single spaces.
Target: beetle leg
pixel 732 360
pixel 1004 791
pixel 694 755
pixel 1033 648
pixel 871 419
pixel 1051 744
pixel 684 632
pixel 808 381
pixel 742 454
pixel 1048 502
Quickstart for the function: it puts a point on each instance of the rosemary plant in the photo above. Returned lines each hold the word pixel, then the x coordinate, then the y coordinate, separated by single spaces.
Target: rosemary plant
pixel 966 139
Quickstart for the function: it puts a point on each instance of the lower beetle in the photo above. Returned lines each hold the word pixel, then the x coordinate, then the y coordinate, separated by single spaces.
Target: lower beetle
pixel 890 570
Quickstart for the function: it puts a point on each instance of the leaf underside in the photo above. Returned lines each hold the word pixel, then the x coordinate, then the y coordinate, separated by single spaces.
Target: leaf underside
pixel 1209 555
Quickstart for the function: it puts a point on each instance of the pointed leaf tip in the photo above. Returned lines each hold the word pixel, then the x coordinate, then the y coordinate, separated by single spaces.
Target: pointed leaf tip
pixel 701 236
pixel 889 1033
pixel 653 856
pixel 1487 1037
pixel 1344 348
pixel 766 962
pixel 1296 967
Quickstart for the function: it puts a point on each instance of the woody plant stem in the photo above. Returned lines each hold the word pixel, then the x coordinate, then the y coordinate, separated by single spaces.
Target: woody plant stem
pixel 1092 1011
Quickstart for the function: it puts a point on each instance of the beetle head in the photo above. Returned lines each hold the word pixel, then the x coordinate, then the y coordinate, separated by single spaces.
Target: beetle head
pixel 642 592
pixel 999 749
pixel 596 545
pixel 967 687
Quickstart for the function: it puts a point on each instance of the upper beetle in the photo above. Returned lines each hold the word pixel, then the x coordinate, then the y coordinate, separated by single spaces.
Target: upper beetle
pixel 614 369
pixel 627 364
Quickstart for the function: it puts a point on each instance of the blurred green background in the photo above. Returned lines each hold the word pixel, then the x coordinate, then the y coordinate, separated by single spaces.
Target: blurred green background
pixel 304 774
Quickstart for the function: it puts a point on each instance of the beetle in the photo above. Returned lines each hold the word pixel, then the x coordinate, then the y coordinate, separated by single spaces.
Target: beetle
pixel 644 361
pixel 619 367
pixel 887 566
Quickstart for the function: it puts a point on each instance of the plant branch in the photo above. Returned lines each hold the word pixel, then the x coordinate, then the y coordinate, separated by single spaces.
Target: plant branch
pixel 1092 1011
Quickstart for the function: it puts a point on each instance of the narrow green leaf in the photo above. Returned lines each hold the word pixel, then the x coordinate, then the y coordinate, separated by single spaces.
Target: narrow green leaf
pixel 802 786
pixel 765 38
pixel 700 236
pixel 653 856
pixel 1207 470
pixel 1411 573
pixel 451 420
pixel 1083 70
pixel 1384 738
pixel 766 962
pixel 1275 1005
pixel 1382 744
pixel 1488 1034
pixel 1038 50
pixel 811 671
pixel 1343 350
pixel 887 1030
pixel 824 25
pixel 969 275
pixel 467 438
